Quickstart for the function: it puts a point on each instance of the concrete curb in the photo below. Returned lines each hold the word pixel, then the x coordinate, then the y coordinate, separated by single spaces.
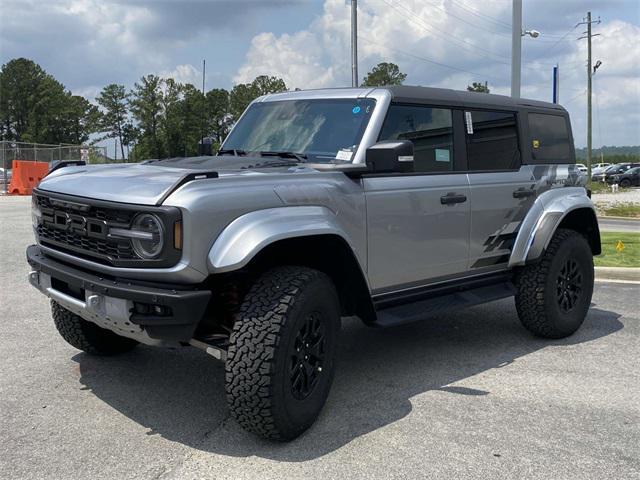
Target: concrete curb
pixel 626 274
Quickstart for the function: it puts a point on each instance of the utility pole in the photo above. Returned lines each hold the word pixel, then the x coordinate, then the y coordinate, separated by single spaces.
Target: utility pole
pixel 354 43
pixel 588 35
pixel 516 47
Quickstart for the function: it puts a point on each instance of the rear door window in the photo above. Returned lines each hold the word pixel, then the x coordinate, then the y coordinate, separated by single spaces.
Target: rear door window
pixel 492 140
pixel 549 137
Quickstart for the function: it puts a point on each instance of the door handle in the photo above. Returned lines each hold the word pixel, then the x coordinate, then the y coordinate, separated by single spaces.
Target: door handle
pixel 522 193
pixel 451 198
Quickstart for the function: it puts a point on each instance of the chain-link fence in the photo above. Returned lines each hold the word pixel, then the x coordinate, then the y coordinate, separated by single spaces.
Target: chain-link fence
pixel 42 152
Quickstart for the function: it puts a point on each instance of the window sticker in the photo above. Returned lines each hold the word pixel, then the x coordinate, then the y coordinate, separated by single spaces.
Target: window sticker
pixel 536 143
pixel 356 110
pixel 469 122
pixel 442 155
pixel 344 154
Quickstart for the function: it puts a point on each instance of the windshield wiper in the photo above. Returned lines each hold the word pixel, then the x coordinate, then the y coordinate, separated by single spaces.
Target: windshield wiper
pixel 232 151
pixel 300 157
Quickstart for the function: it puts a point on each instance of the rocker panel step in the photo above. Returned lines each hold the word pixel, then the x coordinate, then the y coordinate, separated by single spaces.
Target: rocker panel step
pixel 434 305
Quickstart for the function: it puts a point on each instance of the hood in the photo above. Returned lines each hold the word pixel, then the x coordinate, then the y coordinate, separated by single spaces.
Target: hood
pixel 148 183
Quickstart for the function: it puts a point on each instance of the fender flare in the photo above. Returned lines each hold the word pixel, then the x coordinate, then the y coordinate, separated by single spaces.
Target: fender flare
pixel 248 234
pixel 544 217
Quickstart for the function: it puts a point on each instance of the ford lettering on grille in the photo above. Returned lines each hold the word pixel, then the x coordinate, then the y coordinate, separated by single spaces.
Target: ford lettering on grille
pixel 78 224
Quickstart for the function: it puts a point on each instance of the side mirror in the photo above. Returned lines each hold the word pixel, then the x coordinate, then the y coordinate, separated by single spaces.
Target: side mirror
pixel 390 156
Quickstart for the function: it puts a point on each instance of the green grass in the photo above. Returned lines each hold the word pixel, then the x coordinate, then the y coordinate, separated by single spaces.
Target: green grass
pixel 599 187
pixel 631 210
pixel 610 257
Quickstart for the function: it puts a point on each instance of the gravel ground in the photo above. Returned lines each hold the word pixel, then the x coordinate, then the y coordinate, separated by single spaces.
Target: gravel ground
pixel 467 395
pixel 631 195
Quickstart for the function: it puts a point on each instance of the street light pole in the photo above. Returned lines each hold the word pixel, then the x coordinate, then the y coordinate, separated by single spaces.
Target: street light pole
pixel 354 43
pixel 516 47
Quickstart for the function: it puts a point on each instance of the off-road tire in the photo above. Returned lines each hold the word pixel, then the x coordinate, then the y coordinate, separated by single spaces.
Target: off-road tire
pixel 539 287
pixel 262 355
pixel 87 336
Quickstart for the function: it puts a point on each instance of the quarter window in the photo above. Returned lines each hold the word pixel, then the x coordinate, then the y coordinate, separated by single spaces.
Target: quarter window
pixel 430 130
pixel 549 138
pixel 492 140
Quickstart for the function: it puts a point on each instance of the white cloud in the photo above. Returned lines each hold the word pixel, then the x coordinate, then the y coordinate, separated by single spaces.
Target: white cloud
pixel 412 32
pixel 186 73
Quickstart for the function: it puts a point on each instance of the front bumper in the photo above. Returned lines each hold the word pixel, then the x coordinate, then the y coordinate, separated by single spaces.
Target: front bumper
pixel 116 304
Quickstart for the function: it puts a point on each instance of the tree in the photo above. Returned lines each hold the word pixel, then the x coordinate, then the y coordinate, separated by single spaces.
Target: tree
pixel 478 87
pixel 35 107
pixel 82 119
pixel 171 120
pixel 218 117
pixel 263 84
pixel 114 116
pixel 20 79
pixel 384 74
pixel 146 107
pixel 244 93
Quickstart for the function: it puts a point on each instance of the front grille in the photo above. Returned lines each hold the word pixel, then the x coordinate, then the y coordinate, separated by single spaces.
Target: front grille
pixel 118 250
pixel 103 250
pixel 80 227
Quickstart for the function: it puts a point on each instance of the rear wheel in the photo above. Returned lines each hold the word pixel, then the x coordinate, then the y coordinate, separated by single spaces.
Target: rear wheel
pixel 280 361
pixel 87 336
pixel 554 294
pixel 625 183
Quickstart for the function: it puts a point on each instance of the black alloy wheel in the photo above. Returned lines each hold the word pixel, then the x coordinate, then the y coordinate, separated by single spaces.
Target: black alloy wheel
pixel 307 356
pixel 569 285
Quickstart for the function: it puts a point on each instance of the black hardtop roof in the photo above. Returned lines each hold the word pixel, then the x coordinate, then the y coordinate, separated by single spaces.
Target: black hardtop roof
pixel 445 96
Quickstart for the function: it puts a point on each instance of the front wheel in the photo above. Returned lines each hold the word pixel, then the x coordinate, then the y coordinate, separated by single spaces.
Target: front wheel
pixel 554 294
pixel 625 183
pixel 280 361
pixel 87 336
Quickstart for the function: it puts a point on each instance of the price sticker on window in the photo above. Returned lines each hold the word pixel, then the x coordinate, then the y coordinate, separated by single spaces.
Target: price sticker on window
pixel 469 122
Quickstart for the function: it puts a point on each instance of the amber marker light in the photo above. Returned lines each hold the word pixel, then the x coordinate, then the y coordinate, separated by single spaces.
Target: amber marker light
pixel 177 235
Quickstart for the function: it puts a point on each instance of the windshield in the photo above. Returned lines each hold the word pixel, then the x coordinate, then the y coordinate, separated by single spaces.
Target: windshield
pixel 319 130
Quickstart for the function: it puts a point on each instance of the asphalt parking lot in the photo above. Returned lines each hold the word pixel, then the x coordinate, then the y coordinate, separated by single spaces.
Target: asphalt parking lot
pixel 465 395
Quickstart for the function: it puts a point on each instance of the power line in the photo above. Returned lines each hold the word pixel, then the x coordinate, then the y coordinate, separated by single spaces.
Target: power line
pixel 428 60
pixel 545 52
pixel 413 17
pixel 498 22
pixel 484 29
pixel 582 92
pixel 481 15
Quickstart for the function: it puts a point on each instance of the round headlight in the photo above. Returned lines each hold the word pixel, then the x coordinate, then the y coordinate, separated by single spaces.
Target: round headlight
pixel 148 244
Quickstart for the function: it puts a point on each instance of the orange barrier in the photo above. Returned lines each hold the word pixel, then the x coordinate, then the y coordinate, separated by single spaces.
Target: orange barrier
pixel 26 175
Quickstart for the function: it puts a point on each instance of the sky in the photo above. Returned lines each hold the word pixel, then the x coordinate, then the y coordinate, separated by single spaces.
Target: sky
pixel 87 44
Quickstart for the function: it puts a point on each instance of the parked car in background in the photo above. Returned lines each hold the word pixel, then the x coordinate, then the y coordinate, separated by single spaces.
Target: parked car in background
pixel 600 165
pixel 8 173
pixel 582 167
pixel 627 179
pixel 599 168
pixel 613 170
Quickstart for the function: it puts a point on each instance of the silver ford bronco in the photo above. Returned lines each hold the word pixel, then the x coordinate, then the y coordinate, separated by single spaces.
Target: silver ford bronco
pixel 390 204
